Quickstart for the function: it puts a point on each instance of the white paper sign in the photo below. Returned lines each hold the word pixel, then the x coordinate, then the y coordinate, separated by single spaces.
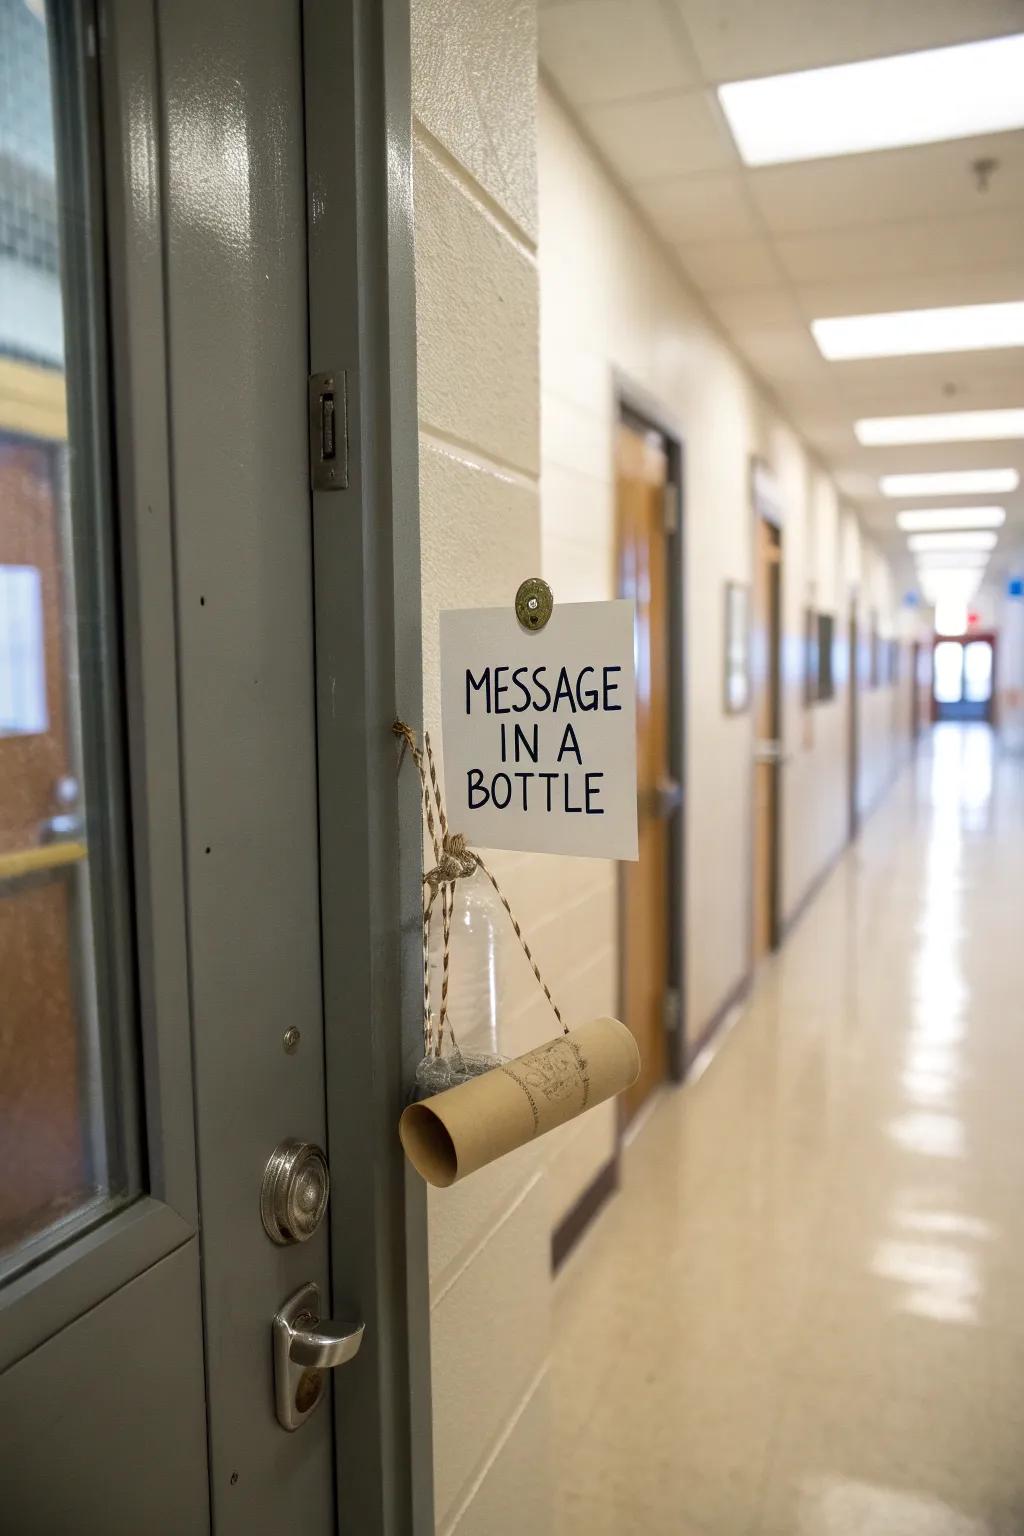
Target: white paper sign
pixel 540 729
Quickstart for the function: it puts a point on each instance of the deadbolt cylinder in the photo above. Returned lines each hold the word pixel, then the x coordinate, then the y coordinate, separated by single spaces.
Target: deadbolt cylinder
pixel 296 1187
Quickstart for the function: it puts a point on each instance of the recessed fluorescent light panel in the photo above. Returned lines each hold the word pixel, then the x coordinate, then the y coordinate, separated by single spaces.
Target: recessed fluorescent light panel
pixel 955 482
pixel 937 519
pixel 915 332
pixel 909 98
pixel 981 539
pixel 942 427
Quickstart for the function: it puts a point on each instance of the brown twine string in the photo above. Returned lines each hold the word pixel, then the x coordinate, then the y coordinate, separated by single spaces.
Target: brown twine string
pixel 454 860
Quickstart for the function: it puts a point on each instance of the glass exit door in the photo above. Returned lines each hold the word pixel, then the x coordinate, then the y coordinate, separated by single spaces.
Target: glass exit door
pixel 963 678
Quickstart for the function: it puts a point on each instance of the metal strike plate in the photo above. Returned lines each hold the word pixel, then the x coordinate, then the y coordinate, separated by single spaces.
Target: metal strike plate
pixel 305 1349
pixel 328 431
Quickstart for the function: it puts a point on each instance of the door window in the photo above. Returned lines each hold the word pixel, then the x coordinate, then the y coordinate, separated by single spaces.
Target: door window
pixel 977 671
pixel 949 671
pixel 67 1133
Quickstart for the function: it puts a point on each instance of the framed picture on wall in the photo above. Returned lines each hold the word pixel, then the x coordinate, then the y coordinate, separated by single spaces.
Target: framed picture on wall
pixel 826 675
pixel 737 647
pixel 874 653
pixel 810 657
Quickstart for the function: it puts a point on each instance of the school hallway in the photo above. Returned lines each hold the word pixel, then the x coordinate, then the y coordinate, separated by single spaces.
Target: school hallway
pixel 801 1312
pixel 511 768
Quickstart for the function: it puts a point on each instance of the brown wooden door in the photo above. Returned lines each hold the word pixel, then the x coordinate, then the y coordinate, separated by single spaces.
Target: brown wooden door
pixel 767 733
pixel 43 1147
pixel 641 481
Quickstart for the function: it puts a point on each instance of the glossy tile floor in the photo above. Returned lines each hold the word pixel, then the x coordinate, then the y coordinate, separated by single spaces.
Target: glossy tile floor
pixel 804 1313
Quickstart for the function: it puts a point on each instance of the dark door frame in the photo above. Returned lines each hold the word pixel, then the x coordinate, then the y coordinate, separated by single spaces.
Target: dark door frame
pixel 366 553
pixel 764 509
pixel 964 640
pixel 635 408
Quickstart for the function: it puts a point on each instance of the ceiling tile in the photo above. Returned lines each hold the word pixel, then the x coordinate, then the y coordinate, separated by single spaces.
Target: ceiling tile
pixel 721 266
pixel 862 487
pixel 761 307
pixel 768 249
pixel 922 290
pixel 967 382
pixel 662 136
pixel 928 181
pixel 824 421
pixel 690 208
pixel 735 39
pixel 781 354
pixel 607 50
pixel 912 246
pixel 978 379
pixel 908 459
pixel 819 399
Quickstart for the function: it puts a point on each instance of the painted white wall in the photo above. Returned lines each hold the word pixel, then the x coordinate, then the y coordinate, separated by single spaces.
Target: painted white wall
pixel 613 305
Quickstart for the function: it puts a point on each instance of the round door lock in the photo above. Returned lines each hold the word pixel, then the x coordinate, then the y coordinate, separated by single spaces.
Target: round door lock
pixel 296 1186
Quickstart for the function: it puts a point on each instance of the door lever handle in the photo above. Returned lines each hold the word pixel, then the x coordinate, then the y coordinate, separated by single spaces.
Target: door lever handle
pixel 304 1349
pixel 322 1346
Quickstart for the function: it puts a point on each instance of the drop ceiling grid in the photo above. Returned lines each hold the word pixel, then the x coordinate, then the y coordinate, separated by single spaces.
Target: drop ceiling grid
pixel 736 39
pixel 770 249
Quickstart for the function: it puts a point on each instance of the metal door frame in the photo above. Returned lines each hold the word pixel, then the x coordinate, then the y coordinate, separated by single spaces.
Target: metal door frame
pixel 369 670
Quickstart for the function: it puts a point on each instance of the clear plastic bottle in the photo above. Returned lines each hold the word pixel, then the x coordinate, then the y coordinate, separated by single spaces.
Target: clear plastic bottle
pixel 472 1036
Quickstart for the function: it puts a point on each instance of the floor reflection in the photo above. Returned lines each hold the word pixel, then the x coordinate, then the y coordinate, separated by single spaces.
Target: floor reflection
pixel 961 760
pixel 803 1313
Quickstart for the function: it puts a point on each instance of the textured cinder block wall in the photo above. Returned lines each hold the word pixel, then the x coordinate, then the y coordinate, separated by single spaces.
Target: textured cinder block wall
pixel 474 100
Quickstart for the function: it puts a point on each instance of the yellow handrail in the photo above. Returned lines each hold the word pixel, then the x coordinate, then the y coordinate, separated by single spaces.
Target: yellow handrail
pixel 32 861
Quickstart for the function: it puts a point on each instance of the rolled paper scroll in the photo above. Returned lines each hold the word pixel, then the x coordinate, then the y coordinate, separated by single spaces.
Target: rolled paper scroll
pixel 456 1132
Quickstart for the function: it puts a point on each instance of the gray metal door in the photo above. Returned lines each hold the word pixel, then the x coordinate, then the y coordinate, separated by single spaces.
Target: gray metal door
pixel 169 847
